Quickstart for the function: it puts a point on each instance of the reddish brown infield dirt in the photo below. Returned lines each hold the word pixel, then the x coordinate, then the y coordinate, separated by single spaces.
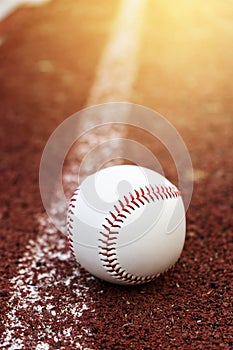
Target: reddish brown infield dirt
pixel 48 61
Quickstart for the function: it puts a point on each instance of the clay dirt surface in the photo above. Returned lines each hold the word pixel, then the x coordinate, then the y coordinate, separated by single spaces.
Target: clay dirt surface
pixel 48 62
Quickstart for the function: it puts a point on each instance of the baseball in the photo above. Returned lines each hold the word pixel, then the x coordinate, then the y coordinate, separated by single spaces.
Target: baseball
pixel 126 224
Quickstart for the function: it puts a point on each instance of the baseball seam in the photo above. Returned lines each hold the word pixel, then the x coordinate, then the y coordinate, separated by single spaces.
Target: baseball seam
pixel 70 221
pixel 113 224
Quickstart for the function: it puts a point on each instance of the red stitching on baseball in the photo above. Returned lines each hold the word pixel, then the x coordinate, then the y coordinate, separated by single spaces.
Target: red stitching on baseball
pixel 108 238
pixel 107 242
pixel 69 222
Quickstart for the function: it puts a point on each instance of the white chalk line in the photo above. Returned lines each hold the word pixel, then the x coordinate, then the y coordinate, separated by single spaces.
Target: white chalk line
pixel 114 80
pixel 31 293
pixel 118 66
pixel 115 76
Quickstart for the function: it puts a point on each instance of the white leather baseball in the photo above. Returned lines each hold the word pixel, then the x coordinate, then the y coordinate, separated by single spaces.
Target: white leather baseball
pixel 126 224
